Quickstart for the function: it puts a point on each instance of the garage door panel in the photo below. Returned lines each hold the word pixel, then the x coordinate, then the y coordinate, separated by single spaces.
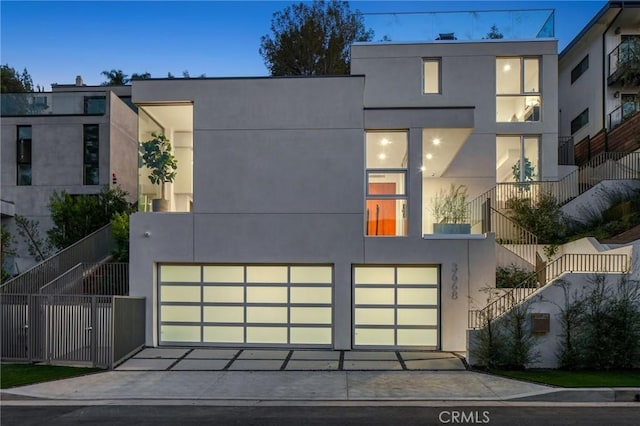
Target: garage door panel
pixel 217 334
pixel 180 333
pixel 396 306
pixel 246 304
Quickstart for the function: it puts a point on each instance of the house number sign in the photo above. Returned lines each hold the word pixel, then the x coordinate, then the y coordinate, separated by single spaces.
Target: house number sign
pixel 454 281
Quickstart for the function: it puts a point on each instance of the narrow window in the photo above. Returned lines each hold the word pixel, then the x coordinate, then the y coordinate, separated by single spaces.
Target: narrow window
pixel 518 94
pixel 580 69
pixel 517 158
pixel 431 68
pixel 91 154
pixel 386 204
pixel 23 150
pixel 580 121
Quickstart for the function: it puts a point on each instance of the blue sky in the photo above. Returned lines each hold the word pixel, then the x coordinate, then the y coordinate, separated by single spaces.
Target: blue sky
pixel 56 41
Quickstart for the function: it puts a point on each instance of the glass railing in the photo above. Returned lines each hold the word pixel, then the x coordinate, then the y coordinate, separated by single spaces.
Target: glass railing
pixel 622 113
pixel 56 103
pixel 462 25
pixel 626 53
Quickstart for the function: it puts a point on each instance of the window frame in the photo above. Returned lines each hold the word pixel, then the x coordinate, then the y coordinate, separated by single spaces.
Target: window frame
pixel 522 155
pixel 90 163
pixel 580 69
pixel 438 61
pixel 584 112
pixel 523 92
pixel 20 162
pixel 86 101
pixel 392 197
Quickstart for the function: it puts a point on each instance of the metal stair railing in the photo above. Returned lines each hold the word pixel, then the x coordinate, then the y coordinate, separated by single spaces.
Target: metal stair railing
pixel 92 248
pixel 91 279
pixel 514 237
pixel 596 263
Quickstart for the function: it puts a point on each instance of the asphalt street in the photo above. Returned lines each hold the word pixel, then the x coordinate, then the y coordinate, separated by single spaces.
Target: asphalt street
pixel 623 414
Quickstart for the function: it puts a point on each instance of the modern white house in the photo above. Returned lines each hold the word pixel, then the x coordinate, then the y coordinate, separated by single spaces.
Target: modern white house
pixel 76 138
pixel 594 94
pixel 308 211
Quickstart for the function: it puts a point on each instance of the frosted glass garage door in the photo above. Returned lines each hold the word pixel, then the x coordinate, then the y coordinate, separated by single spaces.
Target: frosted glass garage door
pixel 246 304
pixel 396 306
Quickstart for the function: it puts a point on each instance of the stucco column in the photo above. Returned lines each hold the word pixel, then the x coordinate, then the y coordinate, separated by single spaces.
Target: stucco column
pixel 414 182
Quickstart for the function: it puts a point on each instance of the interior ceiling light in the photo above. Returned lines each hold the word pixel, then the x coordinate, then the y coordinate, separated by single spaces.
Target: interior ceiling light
pixel 429 156
pixel 423 168
pixel 436 141
pixel 385 141
pixel 507 67
pixel 382 156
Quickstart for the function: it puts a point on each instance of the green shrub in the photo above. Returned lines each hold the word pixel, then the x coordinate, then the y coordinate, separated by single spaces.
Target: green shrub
pixel 543 217
pixel 512 276
pixel 120 232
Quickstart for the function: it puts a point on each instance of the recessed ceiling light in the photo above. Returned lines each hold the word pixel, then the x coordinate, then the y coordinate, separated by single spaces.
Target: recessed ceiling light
pixel 423 168
pixel 385 141
pixel 382 156
pixel 429 156
pixel 507 67
pixel 436 141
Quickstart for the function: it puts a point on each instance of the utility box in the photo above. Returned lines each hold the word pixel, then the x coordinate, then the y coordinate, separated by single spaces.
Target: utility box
pixel 540 323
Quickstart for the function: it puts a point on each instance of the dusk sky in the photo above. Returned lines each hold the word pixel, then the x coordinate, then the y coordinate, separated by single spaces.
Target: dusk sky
pixel 56 41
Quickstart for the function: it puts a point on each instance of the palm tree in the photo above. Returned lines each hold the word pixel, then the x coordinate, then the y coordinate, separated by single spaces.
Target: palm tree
pixel 115 78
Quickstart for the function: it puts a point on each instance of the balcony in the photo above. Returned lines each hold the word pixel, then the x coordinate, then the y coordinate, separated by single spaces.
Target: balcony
pixel 462 25
pixel 53 103
pixel 624 64
pixel 624 112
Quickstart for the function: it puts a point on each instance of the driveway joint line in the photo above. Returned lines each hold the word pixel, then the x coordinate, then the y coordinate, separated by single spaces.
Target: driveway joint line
pixel 232 360
pixel 179 359
pixel 401 361
pixel 341 361
pixel 286 361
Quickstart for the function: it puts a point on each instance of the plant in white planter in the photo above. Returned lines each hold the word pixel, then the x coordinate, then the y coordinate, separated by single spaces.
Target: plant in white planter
pixel 449 211
pixel 157 157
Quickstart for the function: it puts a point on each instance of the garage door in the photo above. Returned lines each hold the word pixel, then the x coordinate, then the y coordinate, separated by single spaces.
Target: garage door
pixel 246 304
pixel 396 306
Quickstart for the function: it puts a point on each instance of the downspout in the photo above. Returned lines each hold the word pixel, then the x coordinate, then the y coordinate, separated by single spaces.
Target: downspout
pixel 605 76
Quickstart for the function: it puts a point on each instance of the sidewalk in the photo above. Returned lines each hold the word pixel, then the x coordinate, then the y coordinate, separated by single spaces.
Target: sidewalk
pixel 206 376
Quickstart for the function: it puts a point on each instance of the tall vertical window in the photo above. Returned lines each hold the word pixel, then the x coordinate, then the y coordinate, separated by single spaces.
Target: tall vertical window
pixel 23 160
pixel 386 192
pixel 431 75
pixel 580 69
pixel 517 158
pixel 91 154
pixel 518 89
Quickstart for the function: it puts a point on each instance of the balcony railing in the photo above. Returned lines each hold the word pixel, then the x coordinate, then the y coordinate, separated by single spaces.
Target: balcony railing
pixel 623 113
pixel 624 63
pixel 53 103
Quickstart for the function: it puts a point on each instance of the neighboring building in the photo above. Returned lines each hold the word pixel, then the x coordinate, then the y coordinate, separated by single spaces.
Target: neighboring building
pixel 595 88
pixel 75 139
pixel 302 211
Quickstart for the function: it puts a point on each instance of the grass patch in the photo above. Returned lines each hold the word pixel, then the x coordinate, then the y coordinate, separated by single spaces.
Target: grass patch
pixel 577 378
pixel 26 374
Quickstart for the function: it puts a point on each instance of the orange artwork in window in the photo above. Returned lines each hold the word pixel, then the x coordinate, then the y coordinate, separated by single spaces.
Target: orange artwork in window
pixel 381 214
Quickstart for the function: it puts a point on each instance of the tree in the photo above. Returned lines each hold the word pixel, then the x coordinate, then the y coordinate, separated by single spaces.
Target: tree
pixel 313 39
pixel 115 78
pixel 29 230
pixel 14 82
pixel 75 217
pixel 7 250
pixel 494 33
pixel 142 76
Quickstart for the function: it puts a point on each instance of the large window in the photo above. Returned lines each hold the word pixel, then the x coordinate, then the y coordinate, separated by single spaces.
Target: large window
pixel 517 158
pixel 23 160
pixel 518 89
pixel 431 76
pixel 580 69
pixel 580 121
pixel 91 168
pixel 95 104
pixel 386 204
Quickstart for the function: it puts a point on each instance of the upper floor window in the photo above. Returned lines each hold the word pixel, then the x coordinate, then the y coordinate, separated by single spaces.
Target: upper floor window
pixel 23 151
pixel 518 89
pixel 580 69
pixel 95 104
pixel 91 157
pixel 431 76
pixel 580 121
pixel 517 158
pixel 386 191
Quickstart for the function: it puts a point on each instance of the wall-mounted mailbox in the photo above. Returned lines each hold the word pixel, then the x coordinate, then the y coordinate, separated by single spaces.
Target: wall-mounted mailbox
pixel 540 323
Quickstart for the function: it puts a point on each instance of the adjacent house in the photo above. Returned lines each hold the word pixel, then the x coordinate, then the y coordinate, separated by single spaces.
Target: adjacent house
pixel 76 138
pixel 599 80
pixel 312 211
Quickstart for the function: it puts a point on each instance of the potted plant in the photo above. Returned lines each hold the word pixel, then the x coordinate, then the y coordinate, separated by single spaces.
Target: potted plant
pixel 450 211
pixel 157 157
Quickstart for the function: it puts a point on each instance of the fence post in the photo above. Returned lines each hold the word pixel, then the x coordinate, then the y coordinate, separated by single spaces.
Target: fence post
pixel 92 330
